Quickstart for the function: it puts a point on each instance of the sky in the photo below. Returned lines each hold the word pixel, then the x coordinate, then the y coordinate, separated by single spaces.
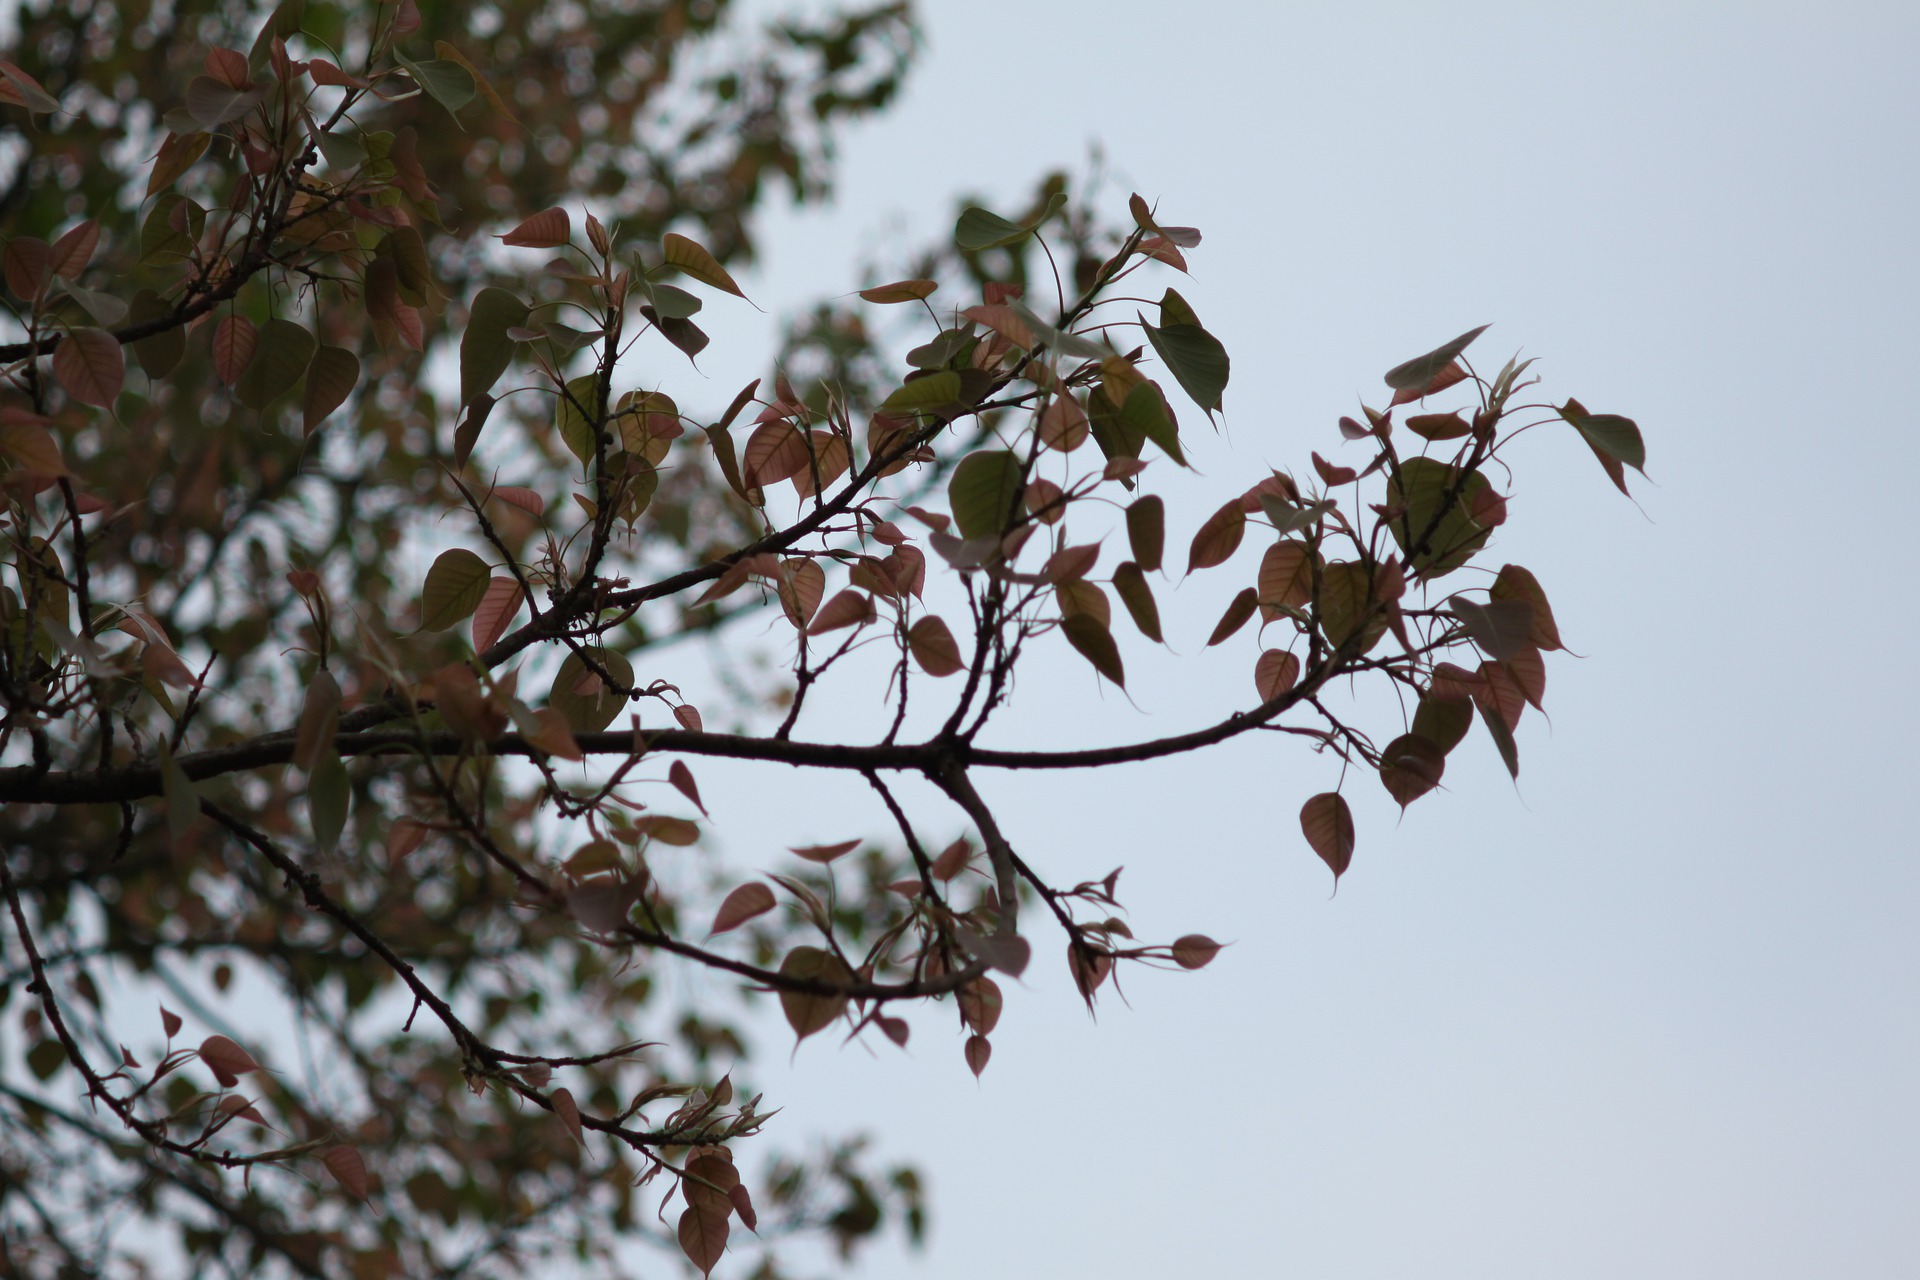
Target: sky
pixel 1654 1010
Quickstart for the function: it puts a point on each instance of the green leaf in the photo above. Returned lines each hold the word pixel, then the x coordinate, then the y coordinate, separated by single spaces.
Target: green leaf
pixel 171 228
pixel 1130 584
pixel 329 793
pixel 673 303
pixel 1091 639
pixel 691 257
pixel 46 1057
pixel 1174 309
pixel 1147 531
pixel 575 428
pixel 1418 372
pixel 590 709
pixel 1422 485
pixel 807 1011
pixel 923 395
pixel 1443 721
pixel 447 83
pixel 1196 357
pixel 1145 413
pixel 985 492
pixel 485 348
pixel 1614 440
pixel 331 378
pixel 978 229
pixel 281 356
pixel 453 589
pixel 1346 595
pixel 158 353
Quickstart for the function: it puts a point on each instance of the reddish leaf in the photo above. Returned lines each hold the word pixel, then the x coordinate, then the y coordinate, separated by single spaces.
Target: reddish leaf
pixel 348 1169
pixel 743 904
pixel 1218 538
pixel 1274 673
pixel 1411 766
pixel 1328 825
pixel 1239 610
pixel 72 251
pixel 810 1011
pixel 1439 426
pixel 569 1112
pixel 980 1003
pixel 952 860
pixel 844 610
pixel 693 258
pixel 934 647
pixel 1090 637
pixel 33 448
pixel 978 1052
pixel 28 263
pixel 1147 531
pixel 234 341
pixel 682 779
pixel 775 451
pixel 548 229
pixel 703 1237
pixel 1194 951
pixel 403 837
pixel 801 583
pixel 331 377
pixel 1515 583
pixel 1130 584
pixel 496 609
pixel 1528 670
pixel 894 1029
pixel 900 291
pixel 1443 378
pixel 1286 574
pixel 169 1022
pixel 525 499
pixel 1063 424
pixel 1499 694
pixel 227 1060
pixel 552 734
pixel 689 717
pixel 91 366
pixel 824 852
pixel 1331 475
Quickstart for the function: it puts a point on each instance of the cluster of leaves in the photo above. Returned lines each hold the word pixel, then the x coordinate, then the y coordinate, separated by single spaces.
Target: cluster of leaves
pixel 318 673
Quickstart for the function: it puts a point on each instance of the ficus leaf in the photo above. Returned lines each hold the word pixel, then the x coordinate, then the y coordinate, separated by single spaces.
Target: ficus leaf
pixel 1130 584
pixel 1328 825
pixel 1091 639
pixel 900 291
pixel 332 375
pixel 455 585
pixel 90 364
pixel 693 258
pixel 1417 373
pixel 282 353
pixel 807 1011
pixel 485 348
pixel 985 492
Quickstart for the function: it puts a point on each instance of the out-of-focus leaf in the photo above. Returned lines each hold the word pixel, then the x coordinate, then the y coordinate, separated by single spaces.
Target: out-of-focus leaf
pixel 1328 825
pixel 806 1011
pixel 281 355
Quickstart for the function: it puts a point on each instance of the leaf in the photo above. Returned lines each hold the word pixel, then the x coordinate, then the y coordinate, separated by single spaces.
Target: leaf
pixel 547 229
pixel 212 104
pixel 498 604
pixel 801 583
pixel 169 1022
pixel 847 608
pixel 1328 825
pixel 775 451
pixel 329 794
pixel 1346 597
pixel 1198 361
pixel 1239 610
pixel 1063 424
pixel 694 259
pixel 447 83
pixel 282 353
pixel 743 904
pixel 923 395
pixel 1417 373
pixel 1438 426
pixel 1275 672
pixel 1217 539
pixel 573 411
pixel 932 644
pixel 985 492
pixel 824 853
pixel 157 353
pixel 32 448
pixel 1147 531
pixel 1422 486
pixel 980 1003
pixel 592 709
pixel 808 1012
pixel 455 585
pixel 28 263
pixel 1501 628
pixel 91 366
pixel 1442 721
pixel 348 1169
pixel 485 348
pixel 1004 321
pixel 332 375
pixel 1614 440
pixel 1194 951
pixel 1130 584
pixel 900 291
pixel 1286 575
pixel 550 733
pixel 319 717
pixel 234 342
pixel 702 1233
pixel 1411 766
pixel 1515 583
pixel 1145 413
pixel 227 1060
pixel 21 89
pixel 1440 381
pixel 1091 639
pixel 1502 738
pixel 978 1053
pixel 72 251
pixel 569 1113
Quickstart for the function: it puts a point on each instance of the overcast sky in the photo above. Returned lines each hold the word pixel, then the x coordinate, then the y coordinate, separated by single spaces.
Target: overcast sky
pixel 1655 1013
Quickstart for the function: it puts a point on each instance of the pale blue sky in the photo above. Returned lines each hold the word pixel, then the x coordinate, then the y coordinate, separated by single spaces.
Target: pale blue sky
pixel 1655 1015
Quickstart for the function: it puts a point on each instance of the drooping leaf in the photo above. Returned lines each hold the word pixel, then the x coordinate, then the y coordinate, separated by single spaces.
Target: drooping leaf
pixel 1198 361
pixel 775 451
pixel 32 447
pixel 348 1169
pixel 978 229
pixel 1615 441
pixel 934 647
pixel 1286 575
pixel 329 795
pixel 1239 612
pixel 498 604
pixel 91 366
pixel 693 258
pixel 1443 721
pixel 1347 606
pixel 1328 825
pixel 332 375
pixel 985 492
pixel 1130 584
pixel 1146 413
pixel 573 415
pixel 1411 766
pixel 281 356
pixel 1091 639
pixel 1501 628
pixel 160 352
pixel 485 348
pixel 809 1011
pixel 1147 531
pixel 234 341
pixel 319 716
pixel 1515 583
pixel 979 1051
pixel 581 696
pixel 1275 672
pixel 455 585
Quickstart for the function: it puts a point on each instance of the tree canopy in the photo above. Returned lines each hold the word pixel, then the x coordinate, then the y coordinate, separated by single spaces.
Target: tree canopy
pixel 357 552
